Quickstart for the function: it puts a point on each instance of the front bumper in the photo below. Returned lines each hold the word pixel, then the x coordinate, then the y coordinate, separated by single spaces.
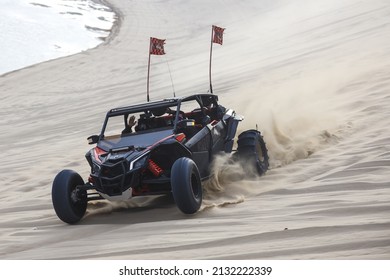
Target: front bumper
pixel 114 178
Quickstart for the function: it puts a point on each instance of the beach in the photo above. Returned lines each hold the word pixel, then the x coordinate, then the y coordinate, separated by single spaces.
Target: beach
pixel 312 75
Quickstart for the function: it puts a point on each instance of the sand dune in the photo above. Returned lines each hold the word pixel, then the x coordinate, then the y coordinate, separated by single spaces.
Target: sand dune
pixel 313 75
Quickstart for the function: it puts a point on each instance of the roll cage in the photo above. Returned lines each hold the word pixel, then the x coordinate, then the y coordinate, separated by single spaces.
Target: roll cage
pixel 155 110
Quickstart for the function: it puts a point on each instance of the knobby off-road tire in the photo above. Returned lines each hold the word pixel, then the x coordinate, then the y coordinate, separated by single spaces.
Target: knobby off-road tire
pixel 186 185
pixel 69 204
pixel 252 150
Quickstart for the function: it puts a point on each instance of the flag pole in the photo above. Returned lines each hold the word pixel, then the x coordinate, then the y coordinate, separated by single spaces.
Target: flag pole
pixel 147 88
pixel 211 54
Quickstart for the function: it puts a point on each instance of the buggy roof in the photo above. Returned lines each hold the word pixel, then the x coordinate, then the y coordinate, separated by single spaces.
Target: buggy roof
pixel 169 102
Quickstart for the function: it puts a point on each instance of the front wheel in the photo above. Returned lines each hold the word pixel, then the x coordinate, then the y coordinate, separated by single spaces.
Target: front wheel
pixel 186 185
pixel 252 149
pixel 69 203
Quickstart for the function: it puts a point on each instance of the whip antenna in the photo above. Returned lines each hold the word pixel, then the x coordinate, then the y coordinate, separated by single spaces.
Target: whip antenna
pixel 170 74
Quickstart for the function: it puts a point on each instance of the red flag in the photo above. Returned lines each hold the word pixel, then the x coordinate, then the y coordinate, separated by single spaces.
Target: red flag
pixel 157 46
pixel 218 34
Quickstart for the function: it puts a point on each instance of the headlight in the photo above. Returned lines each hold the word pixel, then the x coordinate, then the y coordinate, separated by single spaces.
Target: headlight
pixel 139 162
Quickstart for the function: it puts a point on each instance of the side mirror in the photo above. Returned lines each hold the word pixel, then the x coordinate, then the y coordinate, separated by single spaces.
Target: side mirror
pixel 93 139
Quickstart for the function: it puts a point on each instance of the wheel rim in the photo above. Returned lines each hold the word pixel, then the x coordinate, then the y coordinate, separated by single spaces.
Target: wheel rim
pixel 195 185
pixel 76 197
pixel 259 152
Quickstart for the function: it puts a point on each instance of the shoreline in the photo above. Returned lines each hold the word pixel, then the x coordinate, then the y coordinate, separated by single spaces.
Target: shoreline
pixel 115 28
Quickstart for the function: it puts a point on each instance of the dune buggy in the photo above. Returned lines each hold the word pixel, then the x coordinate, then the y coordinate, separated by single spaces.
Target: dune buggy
pixel 154 148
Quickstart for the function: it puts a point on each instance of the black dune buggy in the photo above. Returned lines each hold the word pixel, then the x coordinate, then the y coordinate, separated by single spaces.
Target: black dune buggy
pixel 156 148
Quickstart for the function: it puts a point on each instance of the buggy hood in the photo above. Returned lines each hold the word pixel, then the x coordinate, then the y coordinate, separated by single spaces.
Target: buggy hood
pixel 137 140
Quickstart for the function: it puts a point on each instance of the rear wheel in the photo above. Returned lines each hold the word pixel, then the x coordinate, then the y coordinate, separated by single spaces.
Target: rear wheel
pixel 252 149
pixel 186 185
pixel 69 203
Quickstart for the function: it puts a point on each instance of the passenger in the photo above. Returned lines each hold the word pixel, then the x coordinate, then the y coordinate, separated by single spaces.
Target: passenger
pixel 129 126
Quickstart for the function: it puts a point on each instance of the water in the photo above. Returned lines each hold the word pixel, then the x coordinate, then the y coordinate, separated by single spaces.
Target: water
pixel 32 31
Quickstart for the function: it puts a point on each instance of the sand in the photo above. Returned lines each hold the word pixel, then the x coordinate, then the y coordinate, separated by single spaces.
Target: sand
pixel 314 77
